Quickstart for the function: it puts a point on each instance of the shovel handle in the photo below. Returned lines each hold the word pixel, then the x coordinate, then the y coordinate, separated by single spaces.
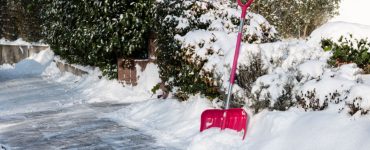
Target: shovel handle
pixel 237 49
pixel 244 7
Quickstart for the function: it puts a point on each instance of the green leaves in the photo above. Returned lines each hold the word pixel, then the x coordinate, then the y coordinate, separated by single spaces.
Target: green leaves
pixel 349 51
pixel 96 32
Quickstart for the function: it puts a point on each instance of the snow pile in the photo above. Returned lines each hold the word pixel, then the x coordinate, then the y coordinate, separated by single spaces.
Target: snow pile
pixel 93 87
pixel 20 41
pixel 297 129
pixel 172 123
pixel 176 125
pixel 16 42
pixel 32 66
pixel 355 11
pixel 148 78
pixel 291 130
pixel 216 139
pixel 334 30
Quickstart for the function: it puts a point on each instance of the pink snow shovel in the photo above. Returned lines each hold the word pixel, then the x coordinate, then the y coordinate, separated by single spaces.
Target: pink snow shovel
pixel 234 118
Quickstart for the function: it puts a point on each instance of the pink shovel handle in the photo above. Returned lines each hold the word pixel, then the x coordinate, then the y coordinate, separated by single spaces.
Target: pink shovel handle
pixel 239 39
pixel 237 49
pixel 244 7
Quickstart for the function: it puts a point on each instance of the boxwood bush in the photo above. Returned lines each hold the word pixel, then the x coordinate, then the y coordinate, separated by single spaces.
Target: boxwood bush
pixel 349 50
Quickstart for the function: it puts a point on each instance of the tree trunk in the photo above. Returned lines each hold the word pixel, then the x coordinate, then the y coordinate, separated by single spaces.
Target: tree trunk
pixel 305 30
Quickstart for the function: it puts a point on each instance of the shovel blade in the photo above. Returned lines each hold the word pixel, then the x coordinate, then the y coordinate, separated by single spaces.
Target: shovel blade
pixel 235 119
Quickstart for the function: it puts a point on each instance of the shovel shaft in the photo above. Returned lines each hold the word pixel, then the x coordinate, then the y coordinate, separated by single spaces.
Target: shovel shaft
pixel 236 57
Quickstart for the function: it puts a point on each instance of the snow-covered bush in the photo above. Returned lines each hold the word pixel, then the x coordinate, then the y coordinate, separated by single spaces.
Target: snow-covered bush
pixel 348 50
pixel 195 37
pixel 285 65
pixel 298 75
pixel 96 32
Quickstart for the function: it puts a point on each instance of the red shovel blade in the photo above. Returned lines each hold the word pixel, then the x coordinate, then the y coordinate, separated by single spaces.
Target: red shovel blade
pixel 235 119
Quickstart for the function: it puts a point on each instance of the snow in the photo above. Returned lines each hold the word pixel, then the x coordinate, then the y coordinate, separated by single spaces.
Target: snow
pixel 312 68
pixel 216 139
pixel 334 30
pixel 148 78
pixel 34 65
pixel 176 124
pixel 352 20
pixel 301 130
pixel 355 11
pixel 361 91
pixel 173 123
pixel 90 87
pixel 20 41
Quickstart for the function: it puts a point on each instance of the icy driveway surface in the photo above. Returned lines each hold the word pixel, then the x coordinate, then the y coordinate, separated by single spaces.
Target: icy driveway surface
pixel 40 114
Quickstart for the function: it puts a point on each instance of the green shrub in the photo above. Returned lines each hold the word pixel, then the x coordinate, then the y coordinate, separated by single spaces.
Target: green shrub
pixel 96 32
pixel 349 50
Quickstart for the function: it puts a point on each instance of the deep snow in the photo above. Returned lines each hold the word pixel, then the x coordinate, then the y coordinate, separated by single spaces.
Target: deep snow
pixel 176 124
pixel 334 30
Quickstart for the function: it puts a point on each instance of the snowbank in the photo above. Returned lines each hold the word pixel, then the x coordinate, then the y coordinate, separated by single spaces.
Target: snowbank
pixel 355 11
pixel 95 88
pixel 91 86
pixel 20 41
pixel 334 30
pixel 297 129
pixel 32 66
pixel 172 123
pixel 176 125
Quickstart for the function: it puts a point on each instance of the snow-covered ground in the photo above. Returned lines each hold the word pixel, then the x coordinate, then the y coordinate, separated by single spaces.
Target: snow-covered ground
pixel 39 101
pixel 42 108
pixel 177 123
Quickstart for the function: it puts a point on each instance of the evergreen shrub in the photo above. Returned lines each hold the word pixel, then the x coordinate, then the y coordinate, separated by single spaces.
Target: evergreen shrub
pixel 96 32
pixel 349 50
